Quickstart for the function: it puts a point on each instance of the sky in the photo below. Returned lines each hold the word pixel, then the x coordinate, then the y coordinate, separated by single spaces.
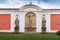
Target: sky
pixel 46 4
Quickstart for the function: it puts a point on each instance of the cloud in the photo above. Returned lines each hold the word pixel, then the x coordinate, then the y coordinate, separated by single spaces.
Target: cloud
pixel 46 4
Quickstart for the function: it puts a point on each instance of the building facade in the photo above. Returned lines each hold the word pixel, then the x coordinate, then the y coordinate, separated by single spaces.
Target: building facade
pixel 29 18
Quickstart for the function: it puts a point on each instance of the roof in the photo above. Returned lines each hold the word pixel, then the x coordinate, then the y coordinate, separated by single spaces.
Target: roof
pixel 9 8
pixel 25 6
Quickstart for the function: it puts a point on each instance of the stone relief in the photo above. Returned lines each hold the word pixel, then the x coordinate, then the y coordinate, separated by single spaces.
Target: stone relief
pixel 30 22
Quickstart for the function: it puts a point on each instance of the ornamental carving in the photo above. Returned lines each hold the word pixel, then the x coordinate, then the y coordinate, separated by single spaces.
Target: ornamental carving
pixel 30 22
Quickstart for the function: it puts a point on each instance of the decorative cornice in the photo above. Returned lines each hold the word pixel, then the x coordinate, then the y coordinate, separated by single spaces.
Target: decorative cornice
pixel 9 8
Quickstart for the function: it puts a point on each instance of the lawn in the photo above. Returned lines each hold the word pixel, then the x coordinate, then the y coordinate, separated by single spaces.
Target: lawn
pixel 29 37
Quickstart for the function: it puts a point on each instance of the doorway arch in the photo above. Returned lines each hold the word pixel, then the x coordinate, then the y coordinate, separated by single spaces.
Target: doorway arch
pixel 30 22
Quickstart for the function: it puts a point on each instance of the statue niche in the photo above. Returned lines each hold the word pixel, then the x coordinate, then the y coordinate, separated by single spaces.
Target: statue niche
pixel 17 25
pixel 30 23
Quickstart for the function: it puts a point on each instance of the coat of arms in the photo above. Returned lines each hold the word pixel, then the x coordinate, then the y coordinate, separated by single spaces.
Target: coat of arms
pixel 3 22
pixel 57 22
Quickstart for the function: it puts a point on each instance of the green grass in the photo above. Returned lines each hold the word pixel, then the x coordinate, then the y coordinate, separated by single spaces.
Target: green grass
pixel 29 37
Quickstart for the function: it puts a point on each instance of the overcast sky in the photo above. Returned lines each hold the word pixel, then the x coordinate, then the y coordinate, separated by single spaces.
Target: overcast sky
pixel 46 4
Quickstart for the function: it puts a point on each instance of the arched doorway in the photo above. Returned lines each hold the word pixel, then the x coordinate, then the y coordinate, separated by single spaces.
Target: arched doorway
pixel 30 22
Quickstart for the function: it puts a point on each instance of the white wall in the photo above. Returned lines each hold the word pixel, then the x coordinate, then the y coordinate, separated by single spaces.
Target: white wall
pixel 48 21
pixel 22 20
